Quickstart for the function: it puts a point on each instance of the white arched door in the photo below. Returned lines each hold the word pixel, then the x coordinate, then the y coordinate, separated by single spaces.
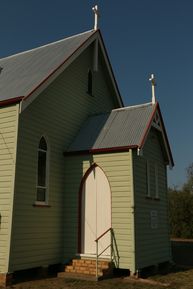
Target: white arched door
pixel 96 212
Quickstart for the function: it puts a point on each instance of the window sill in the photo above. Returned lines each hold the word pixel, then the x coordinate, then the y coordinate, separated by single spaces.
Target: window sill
pixel 152 198
pixel 36 205
pixel 90 94
pixel 149 198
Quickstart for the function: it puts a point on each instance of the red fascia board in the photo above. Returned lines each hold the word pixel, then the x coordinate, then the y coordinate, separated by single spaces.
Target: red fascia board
pixel 101 150
pixel 11 101
pixel 148 127
pixel 165 134
pixel 113 149
pixel 157 107
pixel 51 73
pixel 111 68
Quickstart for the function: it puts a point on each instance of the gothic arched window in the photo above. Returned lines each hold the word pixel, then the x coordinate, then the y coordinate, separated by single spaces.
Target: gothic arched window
pixel 90 88
pixel 42 171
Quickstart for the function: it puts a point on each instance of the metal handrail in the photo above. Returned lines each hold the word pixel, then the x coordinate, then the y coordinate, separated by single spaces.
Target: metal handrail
pixel 104 250
pixel 114 249
pixel 97 254
pixel 103 234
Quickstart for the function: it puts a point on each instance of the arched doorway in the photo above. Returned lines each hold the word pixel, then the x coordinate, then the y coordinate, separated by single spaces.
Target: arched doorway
pixel 95 212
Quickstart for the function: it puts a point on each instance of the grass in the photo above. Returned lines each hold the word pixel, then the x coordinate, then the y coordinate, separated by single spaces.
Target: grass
pixel 177 279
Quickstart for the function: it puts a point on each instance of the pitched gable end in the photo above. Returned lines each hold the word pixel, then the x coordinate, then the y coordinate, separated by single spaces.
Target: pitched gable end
pixel 121 129
pixel 156 121
pixel 29 73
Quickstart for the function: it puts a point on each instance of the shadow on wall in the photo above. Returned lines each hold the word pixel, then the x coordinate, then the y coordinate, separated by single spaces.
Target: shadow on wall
pixel 73 175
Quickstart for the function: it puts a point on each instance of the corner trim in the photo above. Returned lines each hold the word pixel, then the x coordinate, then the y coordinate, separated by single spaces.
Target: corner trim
pixel 133 270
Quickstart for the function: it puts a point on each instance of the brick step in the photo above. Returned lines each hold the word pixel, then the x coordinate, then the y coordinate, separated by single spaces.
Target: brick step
pixel 90 263
pixel 88 267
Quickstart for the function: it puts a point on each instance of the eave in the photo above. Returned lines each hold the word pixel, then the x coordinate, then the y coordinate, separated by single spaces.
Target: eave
pixel 58 70
pixel 11 101
pixel 100 151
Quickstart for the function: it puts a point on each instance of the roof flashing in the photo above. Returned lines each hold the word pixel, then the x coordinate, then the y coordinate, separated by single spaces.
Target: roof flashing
pixel 133 107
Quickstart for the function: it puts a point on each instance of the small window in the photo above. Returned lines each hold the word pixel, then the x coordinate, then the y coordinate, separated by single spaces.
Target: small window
pixel 148 190
pixel 42 171
pixel 156 182
pixel 152 180
pixel 90 84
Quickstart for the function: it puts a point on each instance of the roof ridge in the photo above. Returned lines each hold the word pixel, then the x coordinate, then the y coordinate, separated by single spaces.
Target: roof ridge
pixel 133 106
pixel 45 45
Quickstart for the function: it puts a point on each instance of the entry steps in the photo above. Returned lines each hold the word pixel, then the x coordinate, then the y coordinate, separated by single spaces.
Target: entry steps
pixel 86 269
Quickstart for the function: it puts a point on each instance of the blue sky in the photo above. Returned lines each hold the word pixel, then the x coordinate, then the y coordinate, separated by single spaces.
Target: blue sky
pixel 141 37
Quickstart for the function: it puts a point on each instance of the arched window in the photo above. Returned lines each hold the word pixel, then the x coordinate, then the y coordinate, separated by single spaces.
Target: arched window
pixel 42 171
pixel 90 82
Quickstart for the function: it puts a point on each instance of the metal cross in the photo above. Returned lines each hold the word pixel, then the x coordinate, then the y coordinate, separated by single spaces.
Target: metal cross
pixel 96 16
pixel 153 83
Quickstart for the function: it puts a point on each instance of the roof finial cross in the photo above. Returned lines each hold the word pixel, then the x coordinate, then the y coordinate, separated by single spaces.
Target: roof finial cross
pixel 96 16
pixel 153 84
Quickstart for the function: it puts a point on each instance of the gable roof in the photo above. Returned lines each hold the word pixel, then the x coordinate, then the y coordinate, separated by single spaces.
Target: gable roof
pixel 120 129
pixel 24 73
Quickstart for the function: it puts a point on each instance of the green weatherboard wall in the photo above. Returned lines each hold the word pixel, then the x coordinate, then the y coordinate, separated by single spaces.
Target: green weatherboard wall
pixel 49 235
pixel 118 169
pixel 152 244
pixel 8 140
pixel 139 245
pixel 58 113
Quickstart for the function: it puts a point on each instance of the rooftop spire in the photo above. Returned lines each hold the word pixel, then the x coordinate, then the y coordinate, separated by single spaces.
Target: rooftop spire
pixel 96 16
pixel 153 84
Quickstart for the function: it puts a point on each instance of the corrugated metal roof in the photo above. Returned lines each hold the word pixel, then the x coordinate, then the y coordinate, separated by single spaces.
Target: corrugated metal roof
pixel 119 128
pixel 22 72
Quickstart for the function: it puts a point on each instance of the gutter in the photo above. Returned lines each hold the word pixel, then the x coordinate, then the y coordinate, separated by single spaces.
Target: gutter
pixel 100 150
pixel 11 101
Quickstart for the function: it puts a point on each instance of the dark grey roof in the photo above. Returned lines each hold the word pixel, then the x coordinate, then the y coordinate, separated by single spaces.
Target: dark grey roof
pixel 24 71
pixel 124 127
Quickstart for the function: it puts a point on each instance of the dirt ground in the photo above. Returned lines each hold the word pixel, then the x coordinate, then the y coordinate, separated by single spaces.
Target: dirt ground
pixel 178 279
pixel 60 283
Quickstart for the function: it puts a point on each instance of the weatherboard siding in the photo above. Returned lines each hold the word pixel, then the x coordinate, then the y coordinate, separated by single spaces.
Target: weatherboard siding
pixel 152 244
pixel 58 113
pixel 8 140
pixel 117 167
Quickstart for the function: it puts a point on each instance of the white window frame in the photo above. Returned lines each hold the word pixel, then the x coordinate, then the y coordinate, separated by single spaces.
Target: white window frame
pixel 47 172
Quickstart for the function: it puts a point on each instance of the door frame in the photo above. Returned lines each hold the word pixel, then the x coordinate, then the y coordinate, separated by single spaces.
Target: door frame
pixel 83 180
